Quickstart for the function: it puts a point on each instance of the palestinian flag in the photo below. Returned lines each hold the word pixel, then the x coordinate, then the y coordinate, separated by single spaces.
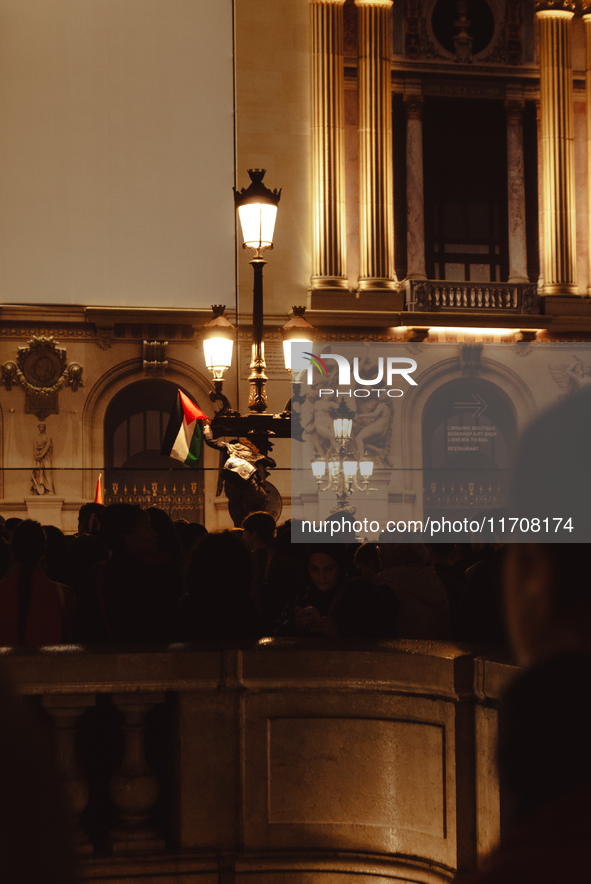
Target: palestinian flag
pixel 184 433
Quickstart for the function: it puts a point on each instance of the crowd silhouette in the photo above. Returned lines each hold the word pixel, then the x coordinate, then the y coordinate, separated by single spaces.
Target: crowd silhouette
pixel 133 576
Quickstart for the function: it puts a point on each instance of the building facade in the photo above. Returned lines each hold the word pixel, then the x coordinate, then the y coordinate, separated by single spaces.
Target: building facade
pixel 433 157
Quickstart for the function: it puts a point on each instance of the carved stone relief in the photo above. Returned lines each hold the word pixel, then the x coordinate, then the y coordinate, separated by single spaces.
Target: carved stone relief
pixel 41 370
pixel 504 46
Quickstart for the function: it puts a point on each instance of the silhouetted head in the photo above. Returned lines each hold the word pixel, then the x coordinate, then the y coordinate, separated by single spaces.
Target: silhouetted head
pixel 259 529
pixel 28 543
pixel 89 518
pixel 130 529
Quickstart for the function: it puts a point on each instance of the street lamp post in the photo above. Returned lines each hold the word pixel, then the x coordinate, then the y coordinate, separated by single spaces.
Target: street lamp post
pixel 257 210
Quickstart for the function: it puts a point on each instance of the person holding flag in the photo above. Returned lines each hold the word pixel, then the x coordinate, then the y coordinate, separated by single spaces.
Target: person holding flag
pixel 243 469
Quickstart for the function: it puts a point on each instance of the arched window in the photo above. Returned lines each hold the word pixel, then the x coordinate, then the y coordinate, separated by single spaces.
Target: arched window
pixel 469 443
pixel 136 472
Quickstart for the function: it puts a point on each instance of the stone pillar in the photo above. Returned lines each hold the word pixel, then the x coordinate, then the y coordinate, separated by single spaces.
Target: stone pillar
pixel 65 710
pixel 587 20
pixel 134 790
pixel 328 146
pixel 558 187
pixel 375 148
pixel 516 192
pixel 415 208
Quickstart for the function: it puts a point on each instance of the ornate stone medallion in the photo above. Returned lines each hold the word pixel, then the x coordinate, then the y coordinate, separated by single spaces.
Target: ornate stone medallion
pixel 41 371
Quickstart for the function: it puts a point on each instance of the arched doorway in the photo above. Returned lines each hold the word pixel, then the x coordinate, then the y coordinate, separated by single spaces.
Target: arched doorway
pixel 136 472
pixel 469 440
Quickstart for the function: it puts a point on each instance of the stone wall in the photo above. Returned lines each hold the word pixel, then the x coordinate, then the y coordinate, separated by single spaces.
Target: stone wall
pixel 306 761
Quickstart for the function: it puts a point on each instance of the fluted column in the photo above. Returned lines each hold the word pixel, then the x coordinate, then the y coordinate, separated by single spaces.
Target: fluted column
pixel 415 209
pixel 328 145
pixel 541 250
pixel 558 188
pixel 514 108
pixel 375 148
pixel 587 20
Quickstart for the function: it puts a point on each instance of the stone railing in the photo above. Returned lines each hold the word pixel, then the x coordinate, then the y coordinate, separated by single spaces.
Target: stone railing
pixel 433 295
pixel 327 758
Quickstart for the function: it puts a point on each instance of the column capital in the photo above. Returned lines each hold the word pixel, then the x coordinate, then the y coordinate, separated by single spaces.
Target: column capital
pixel 413 104
pixel 558 7
pixel 327 2
pixel 514 108
pixel 387 3
pixel 587 10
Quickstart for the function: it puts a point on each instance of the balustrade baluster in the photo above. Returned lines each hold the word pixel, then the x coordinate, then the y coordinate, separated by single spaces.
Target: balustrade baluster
pixel 134 790
pixel 65 710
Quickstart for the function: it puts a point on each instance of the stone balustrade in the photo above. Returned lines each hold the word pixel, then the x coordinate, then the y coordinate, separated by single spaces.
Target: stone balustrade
pixel 309 760
pixel 502 297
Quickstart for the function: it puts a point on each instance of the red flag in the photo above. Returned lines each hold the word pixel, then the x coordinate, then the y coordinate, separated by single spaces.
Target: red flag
pixel 98 497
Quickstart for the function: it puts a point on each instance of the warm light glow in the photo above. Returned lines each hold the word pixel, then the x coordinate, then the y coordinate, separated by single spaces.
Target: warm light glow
pixel 501 332
pixel 318 468
pixel 554 13
pixel 366 467
pixel 258 223
pixel 342 429
pixel 218 353
pixel 287 349
pixel 350 467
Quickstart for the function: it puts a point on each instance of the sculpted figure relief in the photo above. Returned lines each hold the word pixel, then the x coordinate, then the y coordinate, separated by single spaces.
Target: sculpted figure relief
pixel 374 419
pixel 42 472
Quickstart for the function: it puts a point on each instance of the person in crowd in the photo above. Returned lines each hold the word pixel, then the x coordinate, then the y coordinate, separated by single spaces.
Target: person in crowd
pixel 423 610
pixel 57 556
pixel 86 552
pixel 259 531
pixel 367 560
pixel 34 610
pixel 134 595
pixel 544 759
pixel 4 553
pixel 258 535
pixel 217 603
pixel 90 518
pixel 333 605
pixel 450 563
pixel 168 545
pixel 286 578
pixel 188 534
pixel 11 524
pixel 478 613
